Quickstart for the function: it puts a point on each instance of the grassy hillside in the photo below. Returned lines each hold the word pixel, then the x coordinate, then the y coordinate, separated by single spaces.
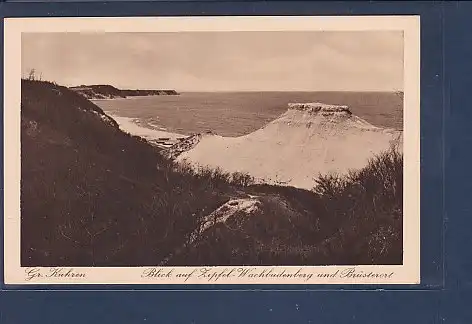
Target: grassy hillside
pixel 356 219
pixel 93 195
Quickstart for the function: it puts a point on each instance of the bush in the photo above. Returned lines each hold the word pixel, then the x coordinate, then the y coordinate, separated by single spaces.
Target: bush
pixel 240 179
pixel 330 185
pixel 348 219
pixel 367 208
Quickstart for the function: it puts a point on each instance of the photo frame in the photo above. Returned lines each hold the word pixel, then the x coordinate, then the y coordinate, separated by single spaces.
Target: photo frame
pixel 328 125
pixel 432 153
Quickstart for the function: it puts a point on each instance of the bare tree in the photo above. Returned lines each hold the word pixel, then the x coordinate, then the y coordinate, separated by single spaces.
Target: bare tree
pixel 32 75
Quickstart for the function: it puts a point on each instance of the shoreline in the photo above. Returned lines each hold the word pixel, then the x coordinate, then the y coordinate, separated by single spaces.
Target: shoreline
pixel 160 138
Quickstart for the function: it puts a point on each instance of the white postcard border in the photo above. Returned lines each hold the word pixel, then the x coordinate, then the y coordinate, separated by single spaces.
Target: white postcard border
pixel 408 273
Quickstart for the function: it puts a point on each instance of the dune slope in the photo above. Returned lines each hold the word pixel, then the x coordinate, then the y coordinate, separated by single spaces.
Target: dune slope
pixel 307 140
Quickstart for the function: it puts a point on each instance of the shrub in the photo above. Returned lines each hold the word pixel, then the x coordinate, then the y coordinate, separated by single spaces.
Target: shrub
pixel 367 207
pixel 330 185
pixel 240 179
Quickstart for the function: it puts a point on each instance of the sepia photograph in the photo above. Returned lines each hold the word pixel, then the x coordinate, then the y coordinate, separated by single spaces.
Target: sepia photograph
pixel 213 148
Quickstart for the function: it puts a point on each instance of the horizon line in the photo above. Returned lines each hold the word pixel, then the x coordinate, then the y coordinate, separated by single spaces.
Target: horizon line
pixel 220 91
pixel 234 90
pixel 292 90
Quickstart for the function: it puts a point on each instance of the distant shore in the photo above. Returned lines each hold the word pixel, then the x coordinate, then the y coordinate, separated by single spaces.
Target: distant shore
pixel 122 98
pixel 100 92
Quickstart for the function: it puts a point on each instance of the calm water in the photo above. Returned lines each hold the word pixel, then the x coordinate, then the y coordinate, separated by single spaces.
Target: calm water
pixel 239 113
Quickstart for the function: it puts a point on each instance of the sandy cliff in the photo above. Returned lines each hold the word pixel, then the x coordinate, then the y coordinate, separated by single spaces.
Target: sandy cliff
pixel 308 139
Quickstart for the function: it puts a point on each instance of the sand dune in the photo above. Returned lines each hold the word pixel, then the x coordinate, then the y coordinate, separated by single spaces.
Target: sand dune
pixel 308 139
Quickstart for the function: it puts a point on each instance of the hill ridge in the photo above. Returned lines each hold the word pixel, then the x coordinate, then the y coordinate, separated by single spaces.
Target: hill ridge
pixel 106 91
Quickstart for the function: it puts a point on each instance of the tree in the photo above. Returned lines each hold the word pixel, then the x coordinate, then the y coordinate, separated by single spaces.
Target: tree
pixel 32 75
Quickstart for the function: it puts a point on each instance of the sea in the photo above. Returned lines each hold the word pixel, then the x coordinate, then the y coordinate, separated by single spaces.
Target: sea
pixel 235 114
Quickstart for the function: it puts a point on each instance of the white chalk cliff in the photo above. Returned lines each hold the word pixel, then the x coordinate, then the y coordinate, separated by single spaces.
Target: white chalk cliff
pixel 308 139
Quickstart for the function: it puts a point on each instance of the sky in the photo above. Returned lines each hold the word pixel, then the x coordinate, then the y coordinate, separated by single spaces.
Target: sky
pixel 220 61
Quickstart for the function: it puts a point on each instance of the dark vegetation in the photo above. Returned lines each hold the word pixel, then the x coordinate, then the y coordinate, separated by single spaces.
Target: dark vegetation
pixel 93 195
pixel 354 219
pixel 108 92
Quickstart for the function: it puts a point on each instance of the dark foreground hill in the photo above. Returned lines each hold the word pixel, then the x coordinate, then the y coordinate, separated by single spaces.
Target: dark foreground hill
pixel 110 92
pixel 92 195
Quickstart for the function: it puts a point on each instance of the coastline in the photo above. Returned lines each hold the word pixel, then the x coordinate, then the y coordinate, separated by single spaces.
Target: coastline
pixel 160 138
pixel 128 98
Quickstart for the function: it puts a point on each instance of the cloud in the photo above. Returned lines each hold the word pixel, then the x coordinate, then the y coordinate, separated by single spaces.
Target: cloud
pixel 305 61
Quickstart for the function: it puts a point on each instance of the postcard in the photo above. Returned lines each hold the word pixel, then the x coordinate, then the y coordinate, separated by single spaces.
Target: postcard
pixel 212 150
